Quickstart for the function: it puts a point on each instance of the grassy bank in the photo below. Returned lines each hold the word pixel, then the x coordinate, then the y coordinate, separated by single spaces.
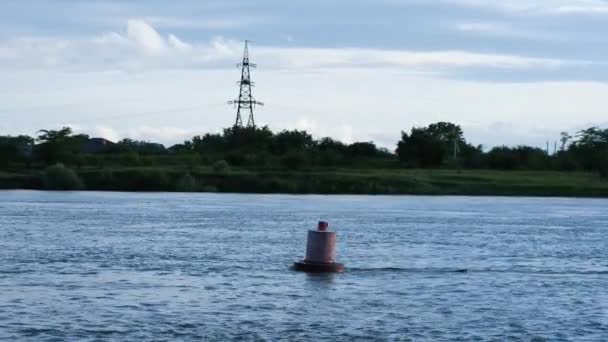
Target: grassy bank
pixel 327 181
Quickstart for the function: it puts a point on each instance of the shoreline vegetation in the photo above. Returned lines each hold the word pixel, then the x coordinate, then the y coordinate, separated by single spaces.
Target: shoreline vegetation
pixel 434 160
pixel 372 182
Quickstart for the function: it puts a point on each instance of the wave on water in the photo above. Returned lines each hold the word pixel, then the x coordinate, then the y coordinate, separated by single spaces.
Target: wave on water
pixel 411 270
pixel 469 270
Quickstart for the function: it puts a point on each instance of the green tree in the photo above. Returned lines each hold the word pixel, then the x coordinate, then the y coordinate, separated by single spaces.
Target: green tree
pixel 447 133
pixel 330 152
pixel 248 138
pixel 15 149
pixel 295 140
pixel 519 157
pixel 430 146
pixel 471 157
pixel 139 146
pixel 59 177
pixel 294 160
pixel 221 166
pixel 363 150
pixel 591 150
pixel 58 146
pixel 420 149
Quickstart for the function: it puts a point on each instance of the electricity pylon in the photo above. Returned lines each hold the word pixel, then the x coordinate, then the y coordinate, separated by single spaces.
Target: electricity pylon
pixel 245 102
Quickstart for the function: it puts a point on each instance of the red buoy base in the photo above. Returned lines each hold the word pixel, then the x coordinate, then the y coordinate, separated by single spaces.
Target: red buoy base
pixel 314 267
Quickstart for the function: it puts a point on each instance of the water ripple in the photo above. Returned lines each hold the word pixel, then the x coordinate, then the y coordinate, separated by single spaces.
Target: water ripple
pixel 142 267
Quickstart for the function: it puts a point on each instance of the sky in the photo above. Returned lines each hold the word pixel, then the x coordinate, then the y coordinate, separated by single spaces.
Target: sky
pixel 509 72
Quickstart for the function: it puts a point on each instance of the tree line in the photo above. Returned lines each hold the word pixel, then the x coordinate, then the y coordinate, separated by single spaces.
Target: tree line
pixel 439 145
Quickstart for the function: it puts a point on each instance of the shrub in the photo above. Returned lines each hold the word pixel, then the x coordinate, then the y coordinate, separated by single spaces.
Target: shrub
pixel 186 183
pixel 603 169
pixel 193 160
pixel 59 177
pixel 144 180
pixel 294 160
pixel 131 159
pixel 210 188
pixel 282 185
pixel 99 179
pixel 220 166
pixel 236 158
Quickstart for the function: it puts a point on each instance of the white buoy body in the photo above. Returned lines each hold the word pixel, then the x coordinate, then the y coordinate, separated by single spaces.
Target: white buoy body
pixel 321 246
pixel 320 252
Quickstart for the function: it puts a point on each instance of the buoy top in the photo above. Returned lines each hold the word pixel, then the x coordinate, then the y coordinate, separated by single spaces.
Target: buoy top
pixel 322 226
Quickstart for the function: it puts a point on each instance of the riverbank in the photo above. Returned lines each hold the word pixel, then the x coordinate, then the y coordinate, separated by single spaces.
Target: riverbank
pixel 329 181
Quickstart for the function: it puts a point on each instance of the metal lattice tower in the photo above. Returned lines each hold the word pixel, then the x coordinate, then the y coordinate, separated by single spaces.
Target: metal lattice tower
pixel 245 102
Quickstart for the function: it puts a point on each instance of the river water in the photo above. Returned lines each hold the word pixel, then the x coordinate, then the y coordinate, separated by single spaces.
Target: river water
pixel 83 266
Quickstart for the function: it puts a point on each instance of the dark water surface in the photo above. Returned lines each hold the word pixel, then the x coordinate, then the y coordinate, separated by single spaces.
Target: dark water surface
pixel 157 266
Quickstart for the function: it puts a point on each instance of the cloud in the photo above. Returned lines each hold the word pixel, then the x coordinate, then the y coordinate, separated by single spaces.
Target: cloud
pixel 106 132
pixel 311 58
pixel 538 7
pixel 477 27
pixel 145 36
pixel 508 31
pixel 139 47
pixel 142 47
pixel 597 10
pixel 203 23
pixel 178 44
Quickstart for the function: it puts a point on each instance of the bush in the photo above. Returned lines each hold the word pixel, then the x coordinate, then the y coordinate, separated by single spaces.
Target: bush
pixel 99 179
pixel 131 159
pixel 220 166
pixel 186 183
pixel 210 188
pixel 603 169
pixel 193 160
pixel 282 186
pixel 235 158
pixel 59 177
pixel 143 180
pixel 294 160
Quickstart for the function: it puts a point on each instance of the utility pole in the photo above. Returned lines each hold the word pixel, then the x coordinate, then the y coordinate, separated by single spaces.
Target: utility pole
pixel 245 103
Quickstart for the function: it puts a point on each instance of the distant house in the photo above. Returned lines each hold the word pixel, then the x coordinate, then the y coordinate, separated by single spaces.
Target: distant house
pixel 96 145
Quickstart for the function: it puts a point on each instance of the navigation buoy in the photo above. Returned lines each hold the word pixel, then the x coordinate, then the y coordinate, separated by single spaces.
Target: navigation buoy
pixel 320 252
